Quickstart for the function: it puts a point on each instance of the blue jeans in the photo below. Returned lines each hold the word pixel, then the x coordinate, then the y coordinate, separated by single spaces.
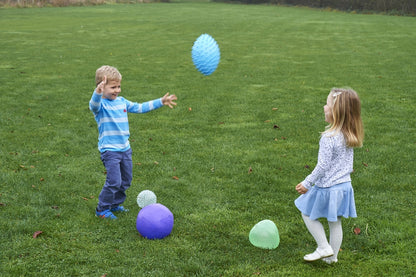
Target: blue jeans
pixel 119 166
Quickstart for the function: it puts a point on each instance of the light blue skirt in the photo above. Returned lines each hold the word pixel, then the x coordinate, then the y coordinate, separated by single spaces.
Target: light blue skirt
pixel 329 203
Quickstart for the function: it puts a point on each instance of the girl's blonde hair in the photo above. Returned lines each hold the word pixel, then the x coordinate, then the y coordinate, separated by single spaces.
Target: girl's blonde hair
pixel 346 116
pixel 111 72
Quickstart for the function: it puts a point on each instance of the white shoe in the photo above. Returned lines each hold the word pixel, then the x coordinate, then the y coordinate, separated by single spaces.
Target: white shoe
pixel 319 254
pixel 330 260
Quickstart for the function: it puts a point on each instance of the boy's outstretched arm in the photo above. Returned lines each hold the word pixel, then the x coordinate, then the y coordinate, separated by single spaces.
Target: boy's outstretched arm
pixel 96 97
pixel 100 88
pixel 167 100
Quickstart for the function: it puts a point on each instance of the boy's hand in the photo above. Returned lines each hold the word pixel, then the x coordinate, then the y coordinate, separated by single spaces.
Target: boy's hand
pixel 167 100
pixel 100 87
pixel 301 189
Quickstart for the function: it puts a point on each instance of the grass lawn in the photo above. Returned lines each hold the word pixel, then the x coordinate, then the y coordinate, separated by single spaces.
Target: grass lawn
pixel 238 141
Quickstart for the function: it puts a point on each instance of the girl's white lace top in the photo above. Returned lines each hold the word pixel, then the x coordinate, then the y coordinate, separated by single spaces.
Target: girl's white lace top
pixel 335 162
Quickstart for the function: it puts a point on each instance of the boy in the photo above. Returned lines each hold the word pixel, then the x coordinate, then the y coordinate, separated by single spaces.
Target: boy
pixel 110 111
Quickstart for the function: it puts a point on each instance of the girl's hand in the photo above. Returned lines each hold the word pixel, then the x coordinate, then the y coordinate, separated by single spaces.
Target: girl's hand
pixel 100 87
pixel 167 100
pixel 301 189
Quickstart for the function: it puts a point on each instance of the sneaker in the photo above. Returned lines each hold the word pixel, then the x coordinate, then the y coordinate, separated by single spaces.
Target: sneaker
pixel 105 214
pixel 119 209
pixel 319 254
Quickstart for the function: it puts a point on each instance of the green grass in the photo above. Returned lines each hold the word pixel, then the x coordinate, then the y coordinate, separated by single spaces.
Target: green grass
pixel 277 67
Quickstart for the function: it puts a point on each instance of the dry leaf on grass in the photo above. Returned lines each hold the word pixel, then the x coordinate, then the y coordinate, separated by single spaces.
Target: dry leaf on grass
pixel 36 234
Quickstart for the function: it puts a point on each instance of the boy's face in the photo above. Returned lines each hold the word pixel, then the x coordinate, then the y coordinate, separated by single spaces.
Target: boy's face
pixel 112 89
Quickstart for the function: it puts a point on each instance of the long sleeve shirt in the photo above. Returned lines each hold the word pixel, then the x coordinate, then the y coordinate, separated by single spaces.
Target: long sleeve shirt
pixel 335 162
pixel 112 120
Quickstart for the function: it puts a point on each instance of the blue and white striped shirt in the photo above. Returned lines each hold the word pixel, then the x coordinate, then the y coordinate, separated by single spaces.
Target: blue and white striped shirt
pixel 112 120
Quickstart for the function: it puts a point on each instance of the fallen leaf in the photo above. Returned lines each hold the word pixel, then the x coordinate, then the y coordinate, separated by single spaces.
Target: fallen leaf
pixel 42 179
pixel 2 204
pixel 267 121
pixel 276 127
pixel 86 199
pixel 55 207
pixel 36 234
pixel 357 231
pixel 364 164
pixel 155 162
pixel 250 170
pixel 175 177
pixel 306 166
pixel 275 109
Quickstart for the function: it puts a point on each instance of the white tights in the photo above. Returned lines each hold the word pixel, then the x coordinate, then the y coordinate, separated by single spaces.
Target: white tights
pixel 318 232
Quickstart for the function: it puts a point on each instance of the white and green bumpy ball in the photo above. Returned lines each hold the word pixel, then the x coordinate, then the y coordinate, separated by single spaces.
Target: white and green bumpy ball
pixel 146 197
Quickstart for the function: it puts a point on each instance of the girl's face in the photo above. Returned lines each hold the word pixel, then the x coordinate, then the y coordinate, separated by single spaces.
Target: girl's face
pixel 328 109
pixel 112 89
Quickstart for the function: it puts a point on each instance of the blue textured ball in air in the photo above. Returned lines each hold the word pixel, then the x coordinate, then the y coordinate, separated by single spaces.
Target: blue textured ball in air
pixel 206 54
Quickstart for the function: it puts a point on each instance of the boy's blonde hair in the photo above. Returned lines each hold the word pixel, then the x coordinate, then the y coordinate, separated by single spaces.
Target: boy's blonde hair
pixel 111 72
pixel 346 116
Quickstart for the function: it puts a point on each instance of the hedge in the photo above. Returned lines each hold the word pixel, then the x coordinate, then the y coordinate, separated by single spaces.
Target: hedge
pixel 400 7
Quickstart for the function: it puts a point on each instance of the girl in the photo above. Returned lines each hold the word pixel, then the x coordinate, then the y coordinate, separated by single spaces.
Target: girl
pixel 332 195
